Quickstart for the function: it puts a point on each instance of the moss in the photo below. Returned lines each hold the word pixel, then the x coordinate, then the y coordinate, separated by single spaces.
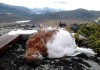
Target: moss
pixel 92 33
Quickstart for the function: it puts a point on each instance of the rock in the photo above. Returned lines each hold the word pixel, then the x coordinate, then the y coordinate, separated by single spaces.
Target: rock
pixel 81 37
pixel 75 27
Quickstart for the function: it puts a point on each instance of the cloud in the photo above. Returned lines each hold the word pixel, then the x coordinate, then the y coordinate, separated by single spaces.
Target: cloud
pixel 60 2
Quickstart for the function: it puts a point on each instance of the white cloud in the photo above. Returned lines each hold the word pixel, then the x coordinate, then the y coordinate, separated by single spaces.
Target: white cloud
pixel 62 4
pixel 86 4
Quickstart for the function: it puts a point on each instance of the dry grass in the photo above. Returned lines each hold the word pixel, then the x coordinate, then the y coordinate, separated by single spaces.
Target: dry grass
pixel 54 23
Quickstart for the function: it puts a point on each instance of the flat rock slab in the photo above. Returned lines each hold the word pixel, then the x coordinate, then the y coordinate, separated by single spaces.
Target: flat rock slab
pixel 7 40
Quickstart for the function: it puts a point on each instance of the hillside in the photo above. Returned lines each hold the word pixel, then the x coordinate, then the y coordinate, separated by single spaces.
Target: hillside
pixel 80 14
pixel 9 13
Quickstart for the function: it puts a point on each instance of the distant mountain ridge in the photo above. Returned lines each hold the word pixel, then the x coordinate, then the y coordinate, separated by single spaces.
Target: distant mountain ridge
pixel 79 14
pixel 45 10
pixel 10 13
pixel 4 8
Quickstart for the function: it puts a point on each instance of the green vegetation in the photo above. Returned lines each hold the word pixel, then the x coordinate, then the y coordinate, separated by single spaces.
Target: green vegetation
pixel 92 34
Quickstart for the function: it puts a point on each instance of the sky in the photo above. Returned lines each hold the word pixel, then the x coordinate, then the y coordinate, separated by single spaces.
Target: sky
pixel 57 4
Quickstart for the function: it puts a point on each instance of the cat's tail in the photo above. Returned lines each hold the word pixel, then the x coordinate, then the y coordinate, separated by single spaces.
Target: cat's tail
pixel 87 51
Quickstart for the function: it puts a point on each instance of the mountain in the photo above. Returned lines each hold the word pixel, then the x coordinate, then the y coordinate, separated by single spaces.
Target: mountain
pixel 79 14
pixel 9 13
pixel 44 10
